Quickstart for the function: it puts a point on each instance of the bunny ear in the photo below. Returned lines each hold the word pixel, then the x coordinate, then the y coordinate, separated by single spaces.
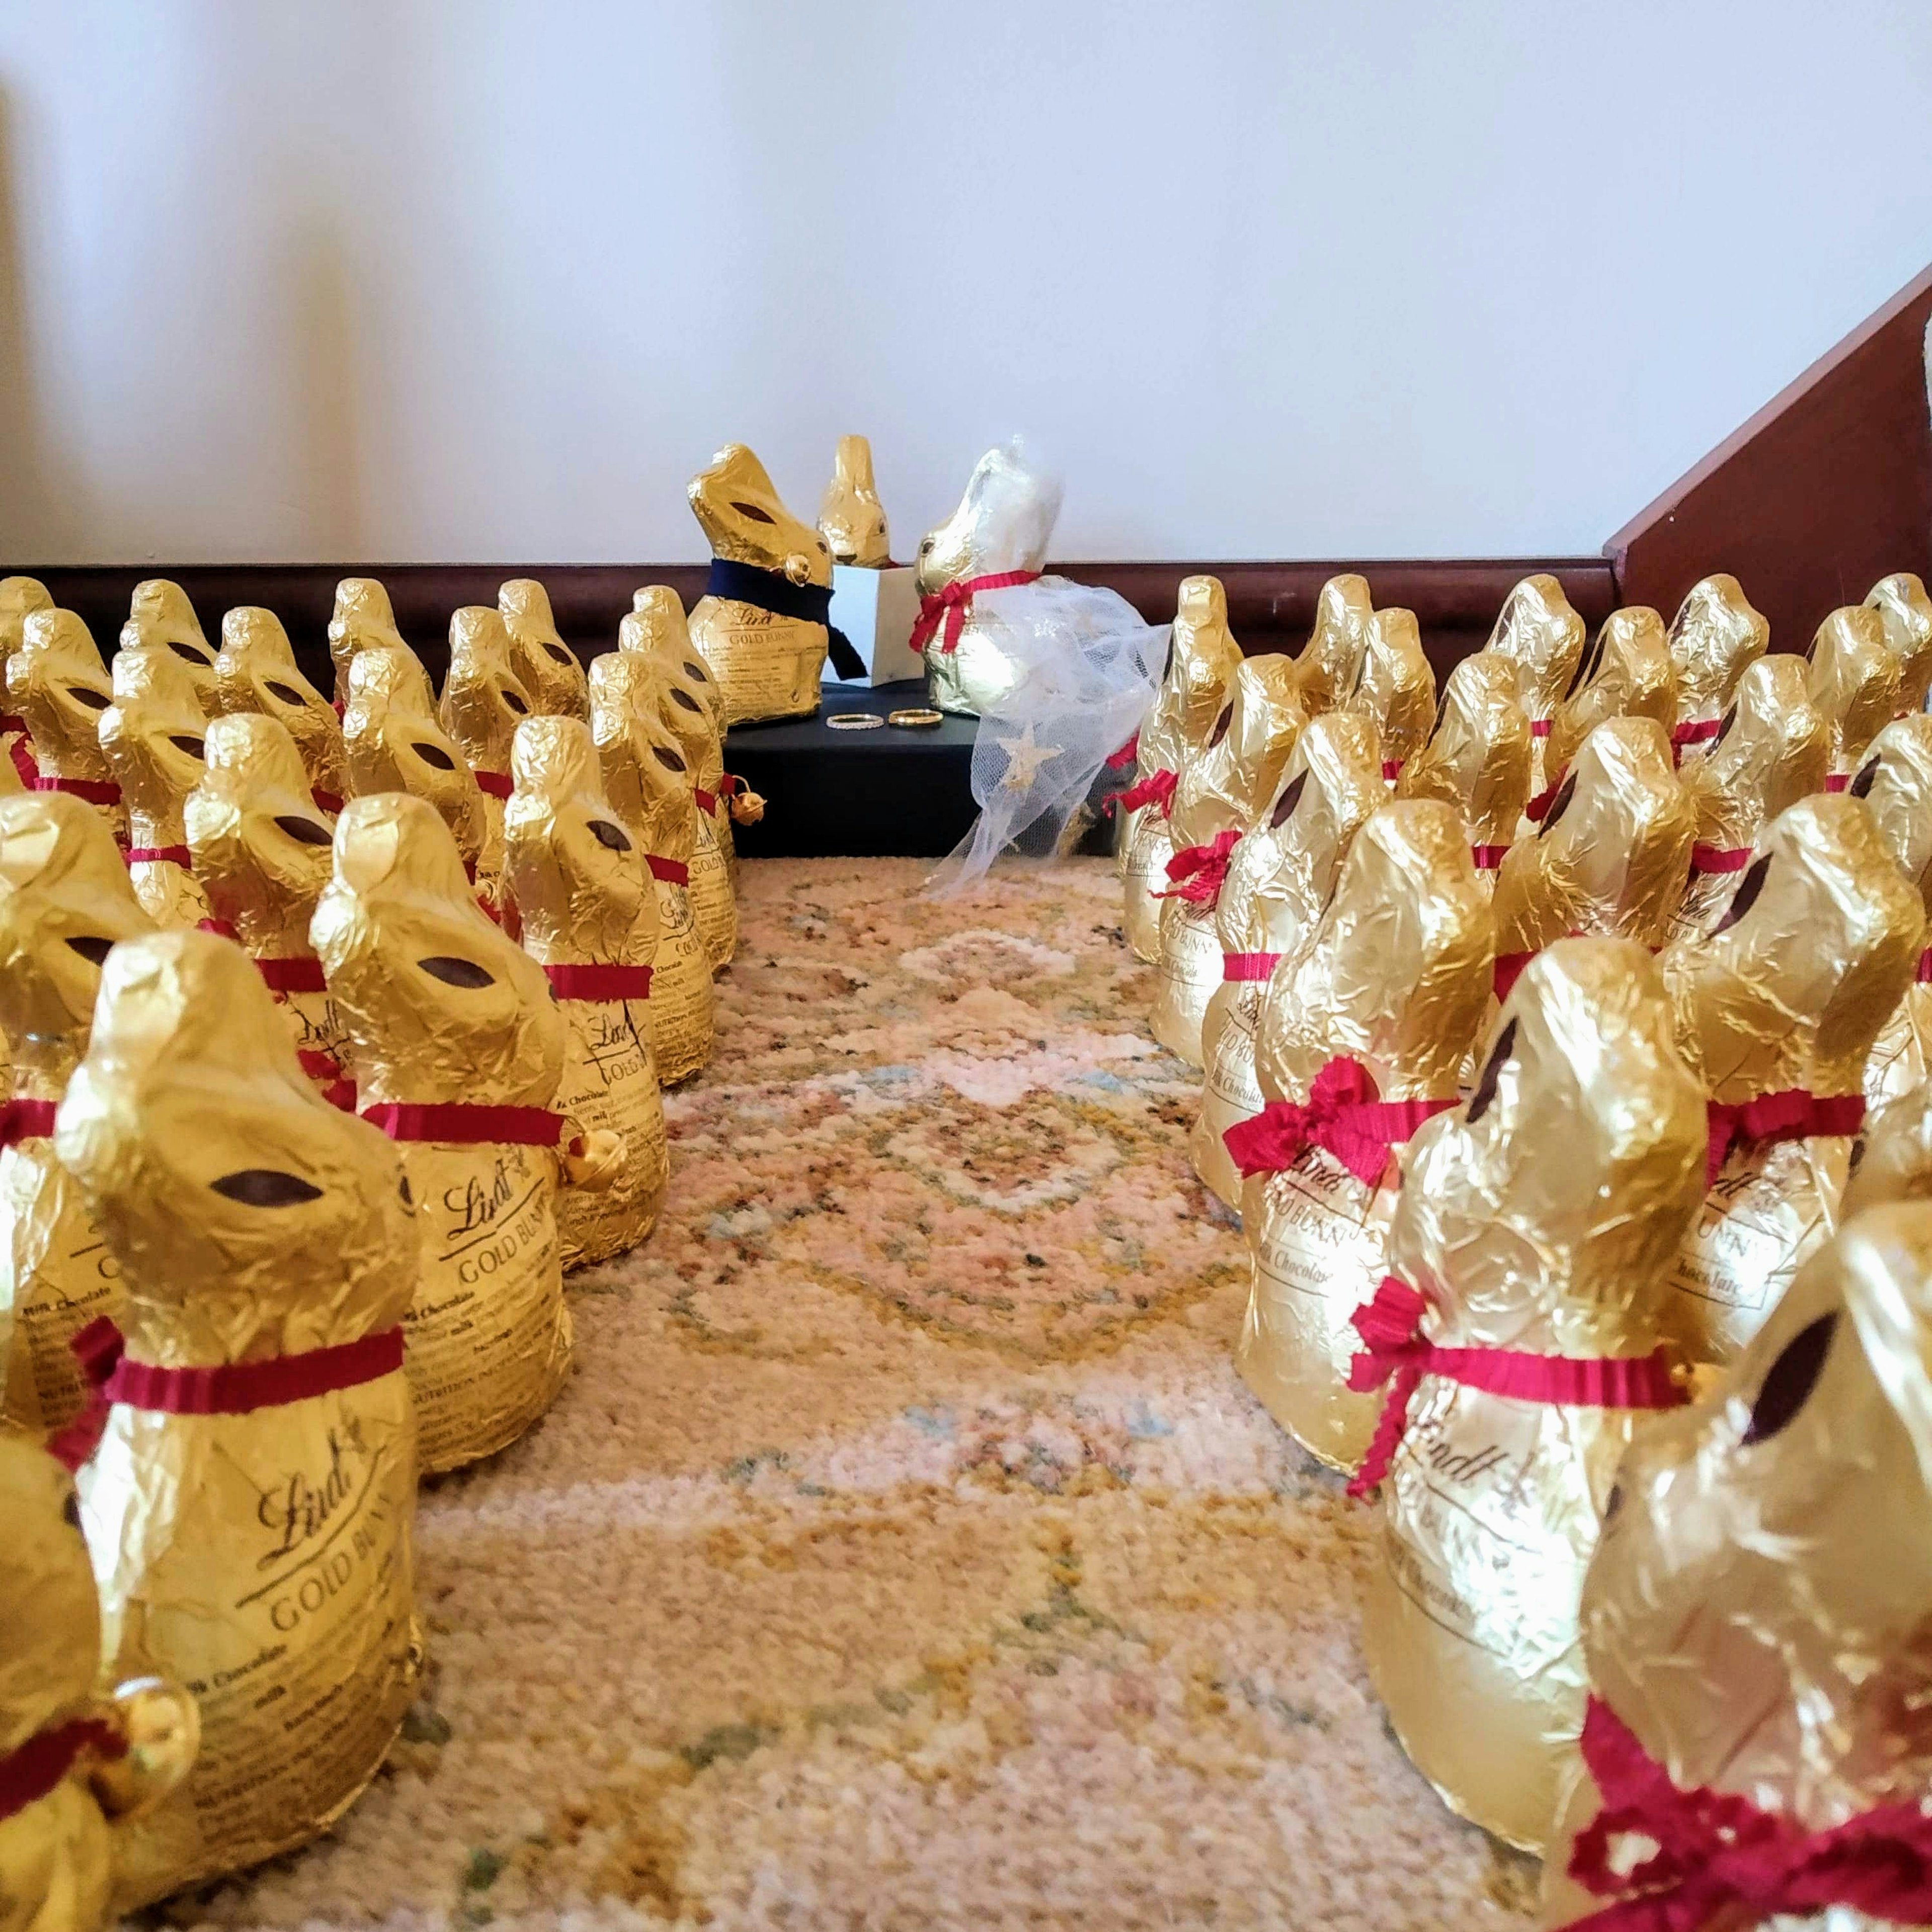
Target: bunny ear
pixel 1888 1294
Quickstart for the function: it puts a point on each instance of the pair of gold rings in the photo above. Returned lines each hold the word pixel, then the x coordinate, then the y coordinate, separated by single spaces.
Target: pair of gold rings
pixel 916 717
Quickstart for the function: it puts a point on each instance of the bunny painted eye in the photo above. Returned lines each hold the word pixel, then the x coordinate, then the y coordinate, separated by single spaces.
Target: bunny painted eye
pixel 696 670
pixel 1285 806
pixel 1586 666
pixel 287 693
pixel 453 972
pixel 434 754
pixel 71 1510
pixel 684 698
pixel 188 651
pixel 751 510
pixel 403 1188
pixel 1789 1382
pixel 1724 729
pixel 1745 897
pixel 607 834
pixel 266 1187
pixel 1492 1072
pixel 1860 786
pixel 1564 795
pixel 92 699
pixel 95 951
pixel 558 652
pixel 1613 1502
pixel 181 742
pixel 1221 724
pixel 303 831
pixel 512 702
pixel 668 758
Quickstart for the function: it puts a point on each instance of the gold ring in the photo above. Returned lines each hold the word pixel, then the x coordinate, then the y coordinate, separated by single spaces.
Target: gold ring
pixel 915 715
pixel 854 721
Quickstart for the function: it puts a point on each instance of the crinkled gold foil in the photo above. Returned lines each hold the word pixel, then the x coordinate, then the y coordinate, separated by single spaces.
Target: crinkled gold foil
pixel 262 852
pixel 1396 976
pixel 1539 1216
pixel 1905 613
pixel 1756 1612
pixel 851 519
pixel 58 684
pixel 363 617
pixel 152 734
pixel 58 1854
pixel 1895 781
pixel 1773 750
pixel 1715 637
pixel 1003 523
pixel 1223 787
pixel 441 1008
pixel 647 780
pixel 766 666
pixel 255 670
pixel 1540 632
pixel 1892 1159
pixel 1397 689
pixel 483 702
pixel 19 598
pixel 264 1559
pixel 581 885
pixel 65 899
pixel 1329 667
pixel 1480 754
pixel 545 666
pixel 1790 990
pixel 160 618
pixel 1202 657
pixel 1627 673
pixel 1279 879
pixel 1854 682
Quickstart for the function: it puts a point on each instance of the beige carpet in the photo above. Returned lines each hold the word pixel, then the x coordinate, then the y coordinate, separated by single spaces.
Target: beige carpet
pixel 904 1552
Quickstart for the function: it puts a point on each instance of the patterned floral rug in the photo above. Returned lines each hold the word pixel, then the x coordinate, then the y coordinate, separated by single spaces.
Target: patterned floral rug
pixel 904 1552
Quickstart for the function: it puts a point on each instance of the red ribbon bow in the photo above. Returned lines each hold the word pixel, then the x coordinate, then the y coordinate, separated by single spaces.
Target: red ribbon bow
pixel 950 601
pixel 1344 1114
pixel 1240 966
pixel 152 855
pixel 458 1123
pixel 1717 1850
pixel 1719 858
pixel 1198 872
pixel 25 1120
pixel 1157 789
pixel 599 983
pixel 1788 1116
pixel 1397 1352
pixel 1118 761
pixel 31 1770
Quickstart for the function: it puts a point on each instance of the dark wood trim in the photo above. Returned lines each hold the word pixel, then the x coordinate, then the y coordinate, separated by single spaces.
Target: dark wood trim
pixel 1826 490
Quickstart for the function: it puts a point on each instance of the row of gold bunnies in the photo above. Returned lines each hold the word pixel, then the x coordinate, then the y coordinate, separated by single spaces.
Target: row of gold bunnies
pixel 336 1030
pixel 1565 1048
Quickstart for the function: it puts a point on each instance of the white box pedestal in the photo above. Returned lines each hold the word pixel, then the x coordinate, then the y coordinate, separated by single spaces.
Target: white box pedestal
pixel 877 610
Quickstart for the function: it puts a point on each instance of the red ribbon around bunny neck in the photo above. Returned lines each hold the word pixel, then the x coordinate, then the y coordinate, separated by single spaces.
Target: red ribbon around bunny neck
pixel 951 601
pixel 1198 872
pixel 1238 968
pixel 497 784
pixel 460 1123
pixel 25 1120
pixel 1924 975
pixel 1156 789
pixel 672 871
pixel 1721 1860
pixel 1343 1114
pixel 599 983
pixel 31 1770
pixel 228 1388
pixel 1790 1116
pixel 1701 731
pixel 1836 780
pixel 155 855
pixel 1488 858
pixel 1719 858
pixel 1397 1352
pixel 96 791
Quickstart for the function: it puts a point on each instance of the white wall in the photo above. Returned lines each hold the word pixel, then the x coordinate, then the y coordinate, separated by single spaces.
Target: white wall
pixel 451 280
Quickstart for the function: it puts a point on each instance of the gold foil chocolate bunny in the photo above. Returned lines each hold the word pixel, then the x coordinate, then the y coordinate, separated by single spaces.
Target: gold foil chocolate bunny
pixel 1397 689
pixel 20 597
pixel 76 1769
pixel 851 519
pixel 58 685
pixel 1222 791
pixel 1540 633
pixel 64 900
pixel 647 780
pixel 262 852
pixel 590 921
pixel 1364 1033
pixel 1855 683
pixel 1771 749
pixel 1329 666
pixel 1905 613
pixel 1202 658
pixel 152 733
pixel 1279 879
pixel 1518 1340
pixel 362 617
pixel 1479 758
pixel 1895 781
pixel 250 1505
pixel 1714 638
pixel 1627 673
pixel 457 1048
pixel 1776 1012
pixel 255 670
pixel 544 664
pixel 483 703
pixel 761 624
pixel 1753 1622
pixel 160 618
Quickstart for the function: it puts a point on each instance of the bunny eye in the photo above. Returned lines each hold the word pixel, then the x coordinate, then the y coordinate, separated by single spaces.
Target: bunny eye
pixel 188 651
pixel 71 1510
pixel 454 972
pixel 558 652
pixel 512 702
pixel 266 1187
pixel 1745 897
pixel 181 742
pixel 287 693
pixel 751 510
pixel 1860 786
pixel 93 700
pixel 93 950
pixel 1789 1382
pixel 669 759
pixel 403 1188
pixel 608 835
pixel 1724 729
pixel 1221 724
pixel 1492 1072
pixel 434 754
pixel 1586 666
pixel 1285 806
pixel 696 670
pixel 303 831
pixel 684 698
pixel 1565 793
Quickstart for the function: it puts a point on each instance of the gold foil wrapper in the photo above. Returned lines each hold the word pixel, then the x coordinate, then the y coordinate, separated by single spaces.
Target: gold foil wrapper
pixel 1790 990
pixel 58 684
pixel 1627 673
pixel 1896 782
pixel 1540 1216
pixel 1329 666
pixel 1540 633
pixel 483 702
pixel 152 734
pixel 1397 689
pixel 585 894
pixel 851 519
pixel 1223 788
pixel 1854 682
pixel 766 666
pixel 20 597
pixel 1279 879
pixel 544 664
pixel 1756 1612
pixel 1715 637
pixel 1003 523
pixel 58 1854
pixel 647 779
pixel 1480 756
pixel 65 899
pixel 1773 749
pixel 362 617
pixel 256 671
pixel 262 1559
pixel 1892 1159
pixel 160 618
pixel 1905 613
pixel 1397 977
pixel 441 1008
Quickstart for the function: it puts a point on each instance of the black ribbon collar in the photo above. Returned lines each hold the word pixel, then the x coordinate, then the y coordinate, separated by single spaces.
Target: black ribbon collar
pixel 772 590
